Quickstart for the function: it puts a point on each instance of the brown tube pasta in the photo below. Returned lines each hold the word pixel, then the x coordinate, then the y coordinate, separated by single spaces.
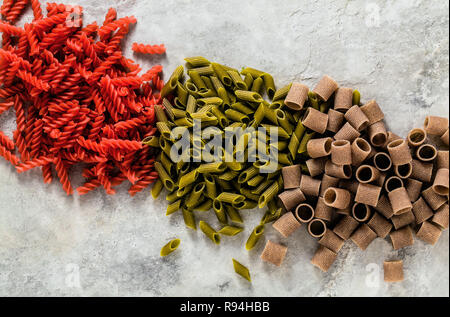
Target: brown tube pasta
pixel 361 212
pixel 429 233
pixel 319 147
pixel 335 120
pixel 296 96
pixel 442 159
pixel 360 151
pixel 291 176
pixel 343 99
pixel 426 153
pixel 286 224
pixel 433 200
pixel 393 183
pixel 372 111
pixel 325 88
pixel 440 184
pixel 384 207
pixel 407 218
pixel 363 236
pixel 315 120
pixel 337 198
pixel 349 184
pixel 381 179
pixel 441 217
pixel 402 238
pixel 393 271
pixel 274 253
pixel 368 194
pixel 304 213
pixel 291 198
pixel 422 171
pixel 380 225
pixel 347 132
pixel 328 181
pixel 310 186
pixel 391 136
pixel 324 258
pixel 317 228
pixel 339 171
pixel 445 137
pixel 416 137
pixel 382 161
pixel 435 125
pixel 403 171
pixel 357 118
pixel 367 174
pixel 316 166
pixel 400 201
pixel 413 187
pixel 347 211
pixel 399 152
pixel 332 241
pixel 345 227
pixel 341 152
pixel 322 211
pixel 421 211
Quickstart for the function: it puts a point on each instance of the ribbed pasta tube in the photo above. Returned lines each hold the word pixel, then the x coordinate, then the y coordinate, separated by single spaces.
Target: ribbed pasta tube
pixel 291 176
pixel 441 217
pixel 291 198
pixel 403 219
pixel 357 118
pixel 347 132
pixel 433 200
pixel 209 232
pixel 360 150
pixel 319 147
pixel 325 88
pixel 323 258
pixel 416 137
pixel 298 94
pixel 274 253
pixel 400 201
pixel 315 120
pixel 399 152
pixel 286 224
pixel 426 153
pixel 429 232
pixel 345 227
pixel 363 236
pixel 341 152
pixel 373 111
pixel 343 99
pixel 393 271
pixel 402 238
pixel 332 241
pixel 337 198
pixel 367 174
pixel 335 120
pixel 435 125
pixel 316 166
pixel 254 237
pixel 380 225
pixel 241 270
pixel 339 171
pixel 368 194
pixel 317 228
pixel 170 247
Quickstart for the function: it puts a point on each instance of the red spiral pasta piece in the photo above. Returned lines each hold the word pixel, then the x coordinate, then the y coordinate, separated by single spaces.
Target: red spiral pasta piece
pixel 16 10
pixel 9 156
pixel 149 49
pixel 47 173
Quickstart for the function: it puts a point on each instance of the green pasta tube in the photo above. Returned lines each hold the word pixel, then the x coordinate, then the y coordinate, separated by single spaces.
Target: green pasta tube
pixel 269 217
pixel 211 190
pixel 209 101
pixel 204 70
pixel 230 230
pixel 313 100
pixel 164 129
pixel 255 181
pixel 164 177
pixel 219 210
pixel 283 121
pixel 237 80
pixel 174 207
pixel 293 146
pixel 254 237
pixel 257 85
pixel 205 93
pixel 184 190
pixel 189 219
pixel 209 232
pixel 208 83
pixel 230 198
pixel 247 174
pixel 268 194
pixel 272 206
pixel 223 120
pixel 167 164
pixel 182 95
pixel 152 141
pixel 234 115
pixel 247 204
pixel 216 167
pixel 229 175
pixel 233 214
pixel 254 72
pixel 170 247
pixel 247 193
pixel 269 83
pixel 191 88
pixel 356 97
pixel 184 122
pixel 282 92
pixel 304 142
pixel 172 196
pixel 241 270
pixel 188 178
pixel 239 106
pixel 194 197
pixel 222 74
pixel 196 61
pixel 157 188
pixel 249 96
pixel 191 104
pixel 171 84
pixel 204 206
pixel 248 81
pixel 160 114
pixel 285 159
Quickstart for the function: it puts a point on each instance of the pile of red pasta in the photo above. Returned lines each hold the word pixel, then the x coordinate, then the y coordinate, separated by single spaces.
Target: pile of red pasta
pixel 76 98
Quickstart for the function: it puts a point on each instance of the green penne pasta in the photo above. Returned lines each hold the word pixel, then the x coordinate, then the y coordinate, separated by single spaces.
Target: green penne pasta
pixel 205 93
pixel 173 196
pixel 247 193
pixel 294 143
pixel 230 198
pixel 255 181
pixel 208 168
pixel 188 178
pixel 313 100
pixel 157 188
pixel 324 107
pixel 270 114
pixel 208 83
pixel 152 141
pixel 356 98
pixel 269 83
pixel 261 187
pixel 272 206
pixel 189 219
pixel 282 92
pixel 247 174
pixel 249 96
pixel 184 190
pixel 279 130
pixel 164 176
pixel 241 270
pixel 170 247
pixel 222 74
pixel 230 230
pixel 197 80
pixel 191 104
pixel 308 136
pixel 184 122
pixel 234 115
pixel 279 104
pixel 223 120
pixel 164 129
pixel 194 197
pixel 219 210
pixel 191 88
pixel 182 94
pixel 209 232
pixel 233 214
pixel 257 85
pixel 239 106
pixel 283 121
pixel 174 207
pixel 247 204
pixel 268 194
pixel 235 166
pixel 196 61
pixel 285 159
pixel 299 130
pixel 204 70
pixel 269 217
pixel 224 185
pixel 254 72
pixel 167 164
pixel 229 175
pixel 171 84
pixel 254 237
pixel 161 114
pixel 209 101
pixel 237 80
pixel 211 190
pixel 248 79
pixel 204 206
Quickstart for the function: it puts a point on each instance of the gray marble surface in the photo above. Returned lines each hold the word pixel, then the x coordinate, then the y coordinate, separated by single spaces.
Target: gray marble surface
pixel 393 51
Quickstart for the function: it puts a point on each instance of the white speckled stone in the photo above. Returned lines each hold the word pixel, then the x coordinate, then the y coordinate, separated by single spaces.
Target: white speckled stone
pixel 393 51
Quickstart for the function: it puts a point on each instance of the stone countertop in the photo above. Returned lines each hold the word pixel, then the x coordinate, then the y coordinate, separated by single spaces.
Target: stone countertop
pixel 393 51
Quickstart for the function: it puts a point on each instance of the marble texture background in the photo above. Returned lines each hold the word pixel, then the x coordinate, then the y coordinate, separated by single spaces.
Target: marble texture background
pixel 393 51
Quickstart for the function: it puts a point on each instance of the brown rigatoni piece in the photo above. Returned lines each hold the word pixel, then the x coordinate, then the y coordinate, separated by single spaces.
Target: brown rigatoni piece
pixel 332 241
pixel 445 137
pixel 322 211
pixel 345 227
pixel 363 236
pixel 291 176
pixel 367 174
pixel 286 224
pixel 404 219
pixel 393 271
pixel 381 179
pixel 337 198
pixel 296 96
pixel 346 211
pixel 317 228
pixel 319 147
pixel 315 120
pixel 316 166
pixel 335 120
pixel 426 152
pixel 341 152
pixel 361 150
pixel 429 232
pixel 391 136
pixel 413 187
pixel 400 201
pixel 422 171
pixel 403 171
pixel 304 213
pixel 328 181
pixel 393 183
pixel 349 184
pixel 402 238
pixel 399 152
pixel 441 217
pixel 274 253
pixel 357 118
pixel 380 225
pixel 421 211
pixel 347 132
pixel 325 87
pixel 384 207
pixel 368 194
pixel 323 258
pixel 416 137
pixel 440 184
pixel 433 200
pixel 435 125
pixel 382 161
pixel 377 134
pixel 343 99
pixel 442 160
pixel 291 198
pixel 310 186
pixel 361 212
pixel 339 171
pixel 372 111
